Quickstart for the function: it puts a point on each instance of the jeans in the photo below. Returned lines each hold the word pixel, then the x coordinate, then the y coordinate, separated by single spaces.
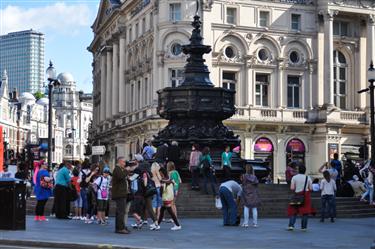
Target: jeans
pixel 328 202
pixel 157 201
pixel 195 177
pixel 120 214
pixel 369 192
pixel 292 221
pixel 229 206
pixel 208 176
pixel 84 200
pixel 39 209
pixel 246 215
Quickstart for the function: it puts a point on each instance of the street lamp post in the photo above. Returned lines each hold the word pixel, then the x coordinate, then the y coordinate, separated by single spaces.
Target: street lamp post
pixel 52 81
pixel 370 88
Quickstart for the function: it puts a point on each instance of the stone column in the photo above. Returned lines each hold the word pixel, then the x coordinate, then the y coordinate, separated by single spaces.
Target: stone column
pixel 102 86
pixel 328 58
pixel 281 90
pixel 122 102
pixel 318 89
pixel 371 39
pixel 108 108
pixel 115 79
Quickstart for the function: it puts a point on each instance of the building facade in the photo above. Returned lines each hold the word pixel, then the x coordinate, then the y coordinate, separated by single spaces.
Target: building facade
pixel 73 116
pixel 25 125
pixel 296 67
pixel 22 56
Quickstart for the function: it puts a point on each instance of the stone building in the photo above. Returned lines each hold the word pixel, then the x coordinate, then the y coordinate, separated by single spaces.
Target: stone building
pixel 25 123
pixel 296 67
pixel 73 116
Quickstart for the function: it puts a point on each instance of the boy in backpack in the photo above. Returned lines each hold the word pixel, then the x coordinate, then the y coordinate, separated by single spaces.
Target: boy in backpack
pixel 102 183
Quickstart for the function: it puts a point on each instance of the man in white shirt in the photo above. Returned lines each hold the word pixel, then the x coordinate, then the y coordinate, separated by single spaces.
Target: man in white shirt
pixel 228 191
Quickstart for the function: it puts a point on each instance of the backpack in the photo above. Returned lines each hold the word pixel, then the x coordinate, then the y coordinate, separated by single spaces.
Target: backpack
pixel 83 183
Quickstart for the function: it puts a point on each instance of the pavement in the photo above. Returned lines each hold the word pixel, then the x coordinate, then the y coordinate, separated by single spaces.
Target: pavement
pixel 195 233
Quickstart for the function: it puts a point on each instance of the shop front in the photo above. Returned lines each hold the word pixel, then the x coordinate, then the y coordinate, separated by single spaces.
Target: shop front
pixel 295 151
pixel 264 150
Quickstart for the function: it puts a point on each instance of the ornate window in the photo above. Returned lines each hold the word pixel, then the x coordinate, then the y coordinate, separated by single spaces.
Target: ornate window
pixel 231 15
pixel 293 91
pixel 175 12
pixel 229 52
pixel 261 89
pixel 264 55
pixel 264 17
pixel 340 77
pixel 176 49
pixel 229 80
pixel 68 150
pixel 294 57
pixel 176 76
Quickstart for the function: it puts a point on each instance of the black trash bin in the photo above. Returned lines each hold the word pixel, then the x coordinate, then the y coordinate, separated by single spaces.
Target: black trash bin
pixel 12 204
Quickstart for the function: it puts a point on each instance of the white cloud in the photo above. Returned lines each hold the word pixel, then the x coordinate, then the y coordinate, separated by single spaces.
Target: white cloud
pixel 63 18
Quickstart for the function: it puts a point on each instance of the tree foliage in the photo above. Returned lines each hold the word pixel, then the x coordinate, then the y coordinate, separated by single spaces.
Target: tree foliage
pixel 38 95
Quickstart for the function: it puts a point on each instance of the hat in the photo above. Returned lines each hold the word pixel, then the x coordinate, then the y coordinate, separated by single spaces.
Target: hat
pixel 138 157
pixel 355 178
pixel 106 170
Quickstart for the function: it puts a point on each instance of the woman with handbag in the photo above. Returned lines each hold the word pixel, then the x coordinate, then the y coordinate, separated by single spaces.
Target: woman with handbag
pixel 250 196
pixel 300 203
pixel 43 190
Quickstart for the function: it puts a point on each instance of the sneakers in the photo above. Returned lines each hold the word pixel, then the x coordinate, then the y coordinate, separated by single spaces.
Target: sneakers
pixel 75 218
pixel 145 222
pixel 43 218
pixel 245 225
pixel 88 221
pixel 36 218
pixel 175 228
pixel 255 225
pixel 304 229
pixel 290 228
pixel 137 226
pixel 169 221
pixel 154 227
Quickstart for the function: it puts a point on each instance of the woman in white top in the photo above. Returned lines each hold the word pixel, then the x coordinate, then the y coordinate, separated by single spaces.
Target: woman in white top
pixel 297 185
pixel 328 188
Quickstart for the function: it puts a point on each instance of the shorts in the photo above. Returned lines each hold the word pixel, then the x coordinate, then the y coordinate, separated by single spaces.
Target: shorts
pixel 102 205
pixel 78 203
pixel 157 202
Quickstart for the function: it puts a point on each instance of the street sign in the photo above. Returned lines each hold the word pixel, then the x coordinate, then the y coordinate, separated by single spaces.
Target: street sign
pixel 98 150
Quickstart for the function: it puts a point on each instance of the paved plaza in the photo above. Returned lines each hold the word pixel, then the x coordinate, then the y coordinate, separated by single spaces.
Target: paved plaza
pixel 197 233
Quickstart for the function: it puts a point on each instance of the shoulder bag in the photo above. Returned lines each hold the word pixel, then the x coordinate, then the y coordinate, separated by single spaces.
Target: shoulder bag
pixel 298 199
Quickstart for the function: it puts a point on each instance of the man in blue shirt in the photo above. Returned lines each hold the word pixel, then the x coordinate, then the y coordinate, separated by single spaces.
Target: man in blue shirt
pixel 61 191
pixel 336 164
pixel 148 152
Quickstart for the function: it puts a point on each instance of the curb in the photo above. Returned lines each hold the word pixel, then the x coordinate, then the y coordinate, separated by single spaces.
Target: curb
pixel 63 245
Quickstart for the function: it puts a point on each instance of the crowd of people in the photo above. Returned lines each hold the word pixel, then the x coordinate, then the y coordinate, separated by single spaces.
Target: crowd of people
pixel 149 185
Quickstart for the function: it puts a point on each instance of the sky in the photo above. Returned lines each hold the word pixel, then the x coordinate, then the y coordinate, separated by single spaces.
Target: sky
pixel 67 28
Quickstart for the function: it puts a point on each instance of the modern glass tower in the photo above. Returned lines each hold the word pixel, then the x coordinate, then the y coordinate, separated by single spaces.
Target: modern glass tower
pixel 22 56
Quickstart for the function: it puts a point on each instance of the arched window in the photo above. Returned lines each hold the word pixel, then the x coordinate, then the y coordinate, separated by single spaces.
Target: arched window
pixel 68 150
pixel 340 76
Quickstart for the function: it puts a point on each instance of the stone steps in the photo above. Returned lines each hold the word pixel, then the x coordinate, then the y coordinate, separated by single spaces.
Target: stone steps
pixel 275 198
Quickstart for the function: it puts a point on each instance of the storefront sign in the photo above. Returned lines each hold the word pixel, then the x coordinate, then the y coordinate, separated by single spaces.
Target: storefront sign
pixel 295 145
pixel 263 145
pixel 98 150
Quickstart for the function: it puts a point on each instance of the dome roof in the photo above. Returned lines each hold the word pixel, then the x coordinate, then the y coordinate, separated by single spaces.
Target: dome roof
pixel 43 101
pixel 27 96
pixel 65 78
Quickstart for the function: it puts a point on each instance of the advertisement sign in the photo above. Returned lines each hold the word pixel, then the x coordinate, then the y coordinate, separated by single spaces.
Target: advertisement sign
pixel 263 145
pixel 1 149
pixel 295 145
pixel 332 149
